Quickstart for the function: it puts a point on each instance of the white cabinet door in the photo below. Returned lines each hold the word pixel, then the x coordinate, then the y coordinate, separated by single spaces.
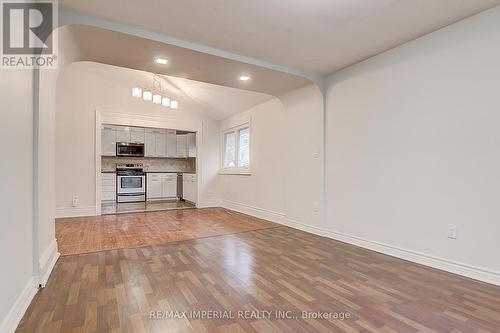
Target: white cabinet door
pixel 185 185
pixel 108 187
pixel 191 144
pixel 170 185
pixel 189 187
pixel 108 141
pixel 137 135
pixel 154 186
pixel 194 188
pixel 181 145
pixel 161 144
pixel 171 144
pixel 122 134
pixel 150 143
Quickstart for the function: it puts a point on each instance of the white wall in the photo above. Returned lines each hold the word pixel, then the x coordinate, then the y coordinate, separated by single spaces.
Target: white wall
pixel 304 156
pixel 47 245
pixel 84 87
pixel 264 188
pixel 16 195
pixel 413 144
pixel 286 161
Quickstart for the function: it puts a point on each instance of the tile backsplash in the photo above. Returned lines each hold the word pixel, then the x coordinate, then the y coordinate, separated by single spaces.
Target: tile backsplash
pixel 108 163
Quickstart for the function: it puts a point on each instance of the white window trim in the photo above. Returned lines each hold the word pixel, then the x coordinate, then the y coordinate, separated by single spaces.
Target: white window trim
pixel 236 170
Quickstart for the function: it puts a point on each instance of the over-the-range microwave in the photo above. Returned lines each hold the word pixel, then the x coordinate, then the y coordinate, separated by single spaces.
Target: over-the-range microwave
pixel 129 149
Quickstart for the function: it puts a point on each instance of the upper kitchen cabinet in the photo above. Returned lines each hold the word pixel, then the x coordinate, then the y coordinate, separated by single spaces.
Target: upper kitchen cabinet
pixel 137 135
pixel 108 141
pixel 155 143
pixel 150 142
pixel 182 150
pixel 122 134
pixel 191 144
pixel 171 143
pixel 161 143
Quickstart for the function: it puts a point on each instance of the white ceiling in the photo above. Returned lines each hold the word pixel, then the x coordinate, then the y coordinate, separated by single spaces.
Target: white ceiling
pixel 314 35
pixel 124 50
pixel 191 95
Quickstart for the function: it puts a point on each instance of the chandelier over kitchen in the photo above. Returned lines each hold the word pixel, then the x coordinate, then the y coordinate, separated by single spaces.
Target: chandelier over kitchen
pixel 155 94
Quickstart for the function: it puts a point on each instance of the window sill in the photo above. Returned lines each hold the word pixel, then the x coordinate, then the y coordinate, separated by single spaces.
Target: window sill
pixel 235 171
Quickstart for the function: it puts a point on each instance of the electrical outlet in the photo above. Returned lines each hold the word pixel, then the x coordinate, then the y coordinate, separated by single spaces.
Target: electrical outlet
pixel 74 201
pixel 315 207
pixel 452 231
pixel 315 153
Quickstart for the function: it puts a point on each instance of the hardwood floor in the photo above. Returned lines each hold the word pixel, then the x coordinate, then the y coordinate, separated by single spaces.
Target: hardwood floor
pixel 107 232
pixel 263 270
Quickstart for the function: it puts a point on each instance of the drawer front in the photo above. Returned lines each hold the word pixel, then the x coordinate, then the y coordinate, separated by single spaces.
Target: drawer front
pixel 108 182
pixel 154 175
pixel 108 196
pixel 108 177
pixel 109 188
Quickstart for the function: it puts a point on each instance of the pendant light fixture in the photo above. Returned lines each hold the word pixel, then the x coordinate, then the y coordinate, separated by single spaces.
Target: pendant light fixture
pixel 155 94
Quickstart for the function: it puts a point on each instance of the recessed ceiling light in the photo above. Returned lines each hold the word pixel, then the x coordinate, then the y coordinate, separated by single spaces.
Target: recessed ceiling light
pixel 244 78
pixel 161 61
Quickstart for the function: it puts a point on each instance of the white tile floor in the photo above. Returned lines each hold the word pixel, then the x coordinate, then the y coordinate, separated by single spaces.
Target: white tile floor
pixel 148 206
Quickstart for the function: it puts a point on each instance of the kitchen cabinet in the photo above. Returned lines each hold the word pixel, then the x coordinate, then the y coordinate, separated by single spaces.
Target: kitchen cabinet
pixel 171 143
pixel 122 134
pixel 108 187
pixel 191 145
pixel 108 141
pixel 154 189
pixel 150 143
pixel 155 143
pixel 161 186
pixel 161 144
pixel 189 187
pixel 170 185
pixel 137 135
pixel 182 145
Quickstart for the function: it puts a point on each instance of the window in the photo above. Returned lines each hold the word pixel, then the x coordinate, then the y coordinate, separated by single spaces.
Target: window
pixel 236 150
pixel 230 149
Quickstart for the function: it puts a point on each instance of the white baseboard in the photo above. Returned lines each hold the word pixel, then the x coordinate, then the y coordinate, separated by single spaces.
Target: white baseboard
pixel 16 313
pixel 260 213
pixel 47 261
pixel 473 272
pixel 209 203
pixel 477 273
pixel 75 211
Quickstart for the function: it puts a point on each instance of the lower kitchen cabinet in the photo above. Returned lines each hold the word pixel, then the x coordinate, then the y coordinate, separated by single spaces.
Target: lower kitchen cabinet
pixel 108 187
pixel 161 186
pixel 189 187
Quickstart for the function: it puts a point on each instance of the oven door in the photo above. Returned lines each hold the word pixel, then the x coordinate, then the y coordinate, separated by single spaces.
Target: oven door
pixel 131 184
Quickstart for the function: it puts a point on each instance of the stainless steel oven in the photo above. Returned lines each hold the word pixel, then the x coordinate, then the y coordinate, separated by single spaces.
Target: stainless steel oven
pixel 130 149
pixel 131 183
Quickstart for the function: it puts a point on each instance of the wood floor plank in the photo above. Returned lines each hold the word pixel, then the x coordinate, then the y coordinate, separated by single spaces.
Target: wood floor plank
pixel 252 266
pixel 107 232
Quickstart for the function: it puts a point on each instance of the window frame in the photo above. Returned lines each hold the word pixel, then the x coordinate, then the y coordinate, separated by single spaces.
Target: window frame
pixel 236 170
